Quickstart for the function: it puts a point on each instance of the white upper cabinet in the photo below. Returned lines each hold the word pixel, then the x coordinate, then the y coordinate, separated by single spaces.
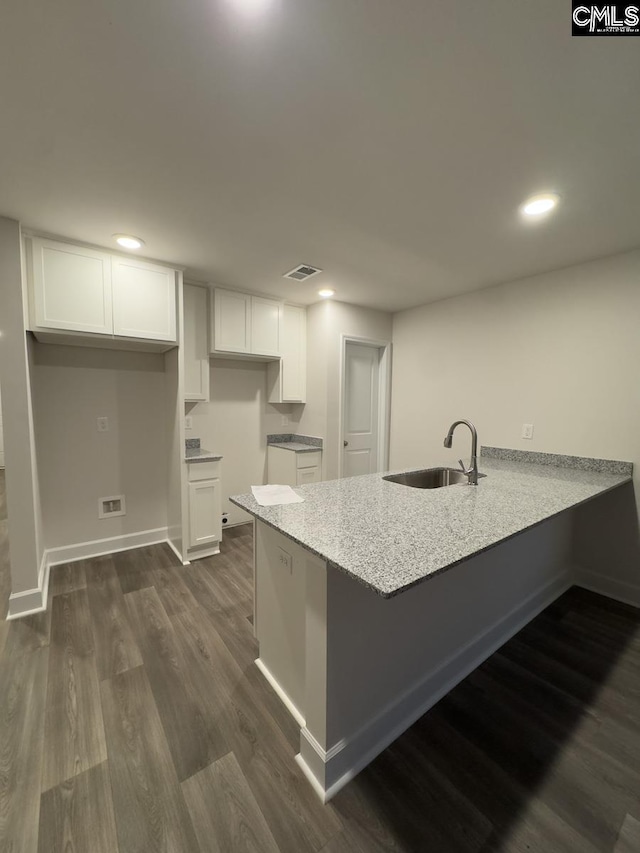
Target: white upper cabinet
pixel 97 295
pixel 265 326
pixel 195 344
pixel 231 322
pixel 71 288
pixel 287 379
pixel 144 300
pixel 245 324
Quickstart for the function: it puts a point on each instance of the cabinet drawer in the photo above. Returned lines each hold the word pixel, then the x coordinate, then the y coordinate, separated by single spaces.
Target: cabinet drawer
pixel 308 475
pixel 203 471
pixel 310 459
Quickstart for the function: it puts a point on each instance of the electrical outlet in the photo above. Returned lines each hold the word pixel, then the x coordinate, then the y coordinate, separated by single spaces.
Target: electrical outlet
pixel 188 422
pixel 527 430
pixel 284 420
pixel 103 424
pixel 285 560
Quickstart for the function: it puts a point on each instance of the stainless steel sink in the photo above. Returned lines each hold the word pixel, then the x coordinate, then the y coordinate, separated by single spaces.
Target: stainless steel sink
pixel 430 478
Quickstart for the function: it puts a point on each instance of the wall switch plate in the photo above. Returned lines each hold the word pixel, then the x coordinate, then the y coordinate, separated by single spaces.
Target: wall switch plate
pixel 103 424
pixel 285 560
pixel 188 422
pixel 284 420
pixel 527 430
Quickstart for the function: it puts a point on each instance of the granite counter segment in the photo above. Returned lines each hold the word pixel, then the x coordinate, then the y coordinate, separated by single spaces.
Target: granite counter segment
pixel 391 537
pixel 297 443
pixel 580 463
pixel 199 454
pixel 194 453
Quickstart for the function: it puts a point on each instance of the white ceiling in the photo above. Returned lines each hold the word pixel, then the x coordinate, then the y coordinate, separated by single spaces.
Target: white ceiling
pixel 389 142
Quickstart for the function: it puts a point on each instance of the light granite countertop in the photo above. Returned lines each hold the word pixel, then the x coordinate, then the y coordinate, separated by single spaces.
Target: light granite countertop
pixel 296 446
pixel 391 537
pixel 296 442
pixel 199 454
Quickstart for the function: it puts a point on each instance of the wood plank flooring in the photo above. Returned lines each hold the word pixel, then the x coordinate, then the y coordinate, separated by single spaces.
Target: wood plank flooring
pixel 133 719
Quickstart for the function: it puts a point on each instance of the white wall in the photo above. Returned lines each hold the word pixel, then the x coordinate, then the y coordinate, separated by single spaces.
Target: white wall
pixel 1 438
pixel 560 351
pixel 236 422
pixel 326 323
pixel 73 386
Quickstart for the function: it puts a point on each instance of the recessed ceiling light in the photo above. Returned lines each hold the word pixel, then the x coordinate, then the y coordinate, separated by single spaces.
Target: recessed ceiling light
pixel 252 7
pixel 127 241
pixel 326 292
pixel 539 205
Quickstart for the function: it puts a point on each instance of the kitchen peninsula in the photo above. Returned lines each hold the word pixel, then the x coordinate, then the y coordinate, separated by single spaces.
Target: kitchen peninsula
pixel 362 619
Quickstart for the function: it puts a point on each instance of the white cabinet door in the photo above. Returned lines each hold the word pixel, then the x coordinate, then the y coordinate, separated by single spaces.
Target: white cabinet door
pixel 144 300
pixel 205 513
pixel 287 379
pixel 308 475
pixel 265 326
pixel 294 354
pixel 231 321
pixel 71 288
pixel 195 344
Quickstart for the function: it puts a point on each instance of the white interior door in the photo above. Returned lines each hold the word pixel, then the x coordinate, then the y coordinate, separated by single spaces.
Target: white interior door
pixel 361 428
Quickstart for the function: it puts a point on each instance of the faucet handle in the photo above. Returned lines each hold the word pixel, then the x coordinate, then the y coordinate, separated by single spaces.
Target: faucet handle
pixel 463 469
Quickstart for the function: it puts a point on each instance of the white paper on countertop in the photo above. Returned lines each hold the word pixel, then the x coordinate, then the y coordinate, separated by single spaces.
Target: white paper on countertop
pixel 275 495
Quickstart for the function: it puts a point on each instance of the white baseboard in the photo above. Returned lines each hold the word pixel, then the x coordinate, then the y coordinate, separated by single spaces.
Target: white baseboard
pixel 177 553
pixel 205 552
pixel 35 600
pixel 348 757
pixel 284 698
pixel 31 600
pixel 100 547
pixel 628 593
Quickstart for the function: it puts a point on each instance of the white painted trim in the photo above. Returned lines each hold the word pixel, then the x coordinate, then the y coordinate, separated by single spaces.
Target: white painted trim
pixel 198 555
pixel 31 601
pixel 177 553
pixel 317 787
pixel 284 698
pixel 384 397
pixel 627 593
pixel 350 755
pixel 101 547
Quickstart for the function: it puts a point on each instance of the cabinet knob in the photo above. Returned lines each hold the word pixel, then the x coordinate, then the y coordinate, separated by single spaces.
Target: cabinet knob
pixel 345 443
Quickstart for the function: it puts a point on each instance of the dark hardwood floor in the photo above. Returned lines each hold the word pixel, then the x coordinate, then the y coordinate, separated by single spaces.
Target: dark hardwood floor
pixel 133 719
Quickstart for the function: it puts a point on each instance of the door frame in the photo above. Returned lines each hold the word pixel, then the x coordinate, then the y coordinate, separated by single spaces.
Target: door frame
pixel 384 397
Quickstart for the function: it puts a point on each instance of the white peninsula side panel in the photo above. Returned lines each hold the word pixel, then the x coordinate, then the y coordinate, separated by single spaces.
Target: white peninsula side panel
pixel 356 669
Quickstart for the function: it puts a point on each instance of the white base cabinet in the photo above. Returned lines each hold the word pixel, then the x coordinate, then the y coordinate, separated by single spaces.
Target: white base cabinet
pixel 288 468
pixel 205 509
pixel 204 513
pixel 94 295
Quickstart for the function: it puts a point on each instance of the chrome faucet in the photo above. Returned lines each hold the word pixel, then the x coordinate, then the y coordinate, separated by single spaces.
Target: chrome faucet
pixel 472 472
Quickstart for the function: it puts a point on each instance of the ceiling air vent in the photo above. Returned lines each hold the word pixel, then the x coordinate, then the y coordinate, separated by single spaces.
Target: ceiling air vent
pixel 302 273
